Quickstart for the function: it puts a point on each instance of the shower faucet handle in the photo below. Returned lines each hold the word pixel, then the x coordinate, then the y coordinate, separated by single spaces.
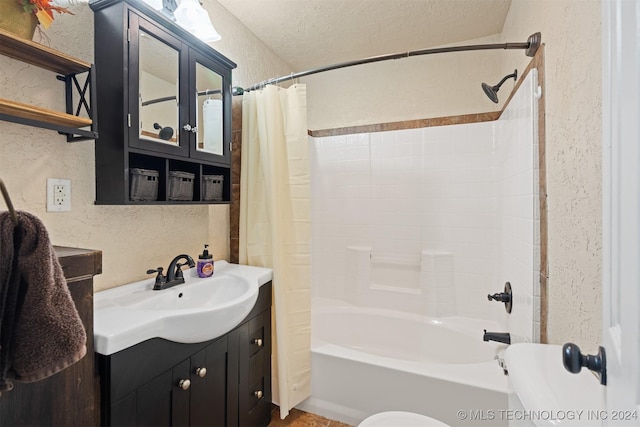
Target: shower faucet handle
pixel 506 297
pixel 500 297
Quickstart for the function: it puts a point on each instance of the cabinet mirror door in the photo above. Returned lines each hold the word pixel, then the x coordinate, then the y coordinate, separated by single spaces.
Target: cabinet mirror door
pixel 159 95
pixel 210 107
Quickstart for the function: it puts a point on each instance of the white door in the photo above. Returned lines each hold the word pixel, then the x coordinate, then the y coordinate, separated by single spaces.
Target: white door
pixel 621 209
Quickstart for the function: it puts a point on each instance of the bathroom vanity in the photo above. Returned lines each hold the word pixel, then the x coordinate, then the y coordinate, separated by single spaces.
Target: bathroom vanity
pixel 225 381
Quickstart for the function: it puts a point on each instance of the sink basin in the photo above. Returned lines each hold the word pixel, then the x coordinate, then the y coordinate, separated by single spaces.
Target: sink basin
pixel 199 310
pixel 545 387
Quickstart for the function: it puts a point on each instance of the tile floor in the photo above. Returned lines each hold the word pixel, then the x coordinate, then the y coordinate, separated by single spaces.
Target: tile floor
pixel 297 418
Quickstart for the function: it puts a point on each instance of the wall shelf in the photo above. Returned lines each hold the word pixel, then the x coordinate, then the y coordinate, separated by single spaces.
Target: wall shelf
pixel 69 123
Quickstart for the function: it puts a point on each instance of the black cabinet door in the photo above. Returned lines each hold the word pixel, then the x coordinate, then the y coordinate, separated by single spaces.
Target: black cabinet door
pixel 149 405
pixel 180 394
pixel 157 89
pixel 209 385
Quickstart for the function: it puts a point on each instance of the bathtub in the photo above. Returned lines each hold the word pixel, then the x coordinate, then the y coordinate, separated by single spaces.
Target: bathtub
pixel 366 360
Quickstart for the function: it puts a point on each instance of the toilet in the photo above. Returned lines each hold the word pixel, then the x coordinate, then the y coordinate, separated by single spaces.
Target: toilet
pixel 399 418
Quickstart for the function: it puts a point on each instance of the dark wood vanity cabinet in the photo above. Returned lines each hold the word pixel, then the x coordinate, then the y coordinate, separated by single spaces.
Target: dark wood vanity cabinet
pixel 165 99
pixel 68 398
pixel 253 339
pixel 222 382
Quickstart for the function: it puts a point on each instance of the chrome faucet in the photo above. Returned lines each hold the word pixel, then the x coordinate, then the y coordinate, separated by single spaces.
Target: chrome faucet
pixel 174 273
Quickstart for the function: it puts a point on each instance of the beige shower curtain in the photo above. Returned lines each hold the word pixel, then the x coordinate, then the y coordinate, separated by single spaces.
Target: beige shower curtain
pixel 275 226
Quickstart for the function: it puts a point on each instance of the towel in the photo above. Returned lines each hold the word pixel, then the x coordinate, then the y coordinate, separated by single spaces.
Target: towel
pixel 40 332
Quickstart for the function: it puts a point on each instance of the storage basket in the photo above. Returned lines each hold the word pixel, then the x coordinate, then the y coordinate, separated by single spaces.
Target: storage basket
pixel 180 185
pixel 144 184
pixel 212 187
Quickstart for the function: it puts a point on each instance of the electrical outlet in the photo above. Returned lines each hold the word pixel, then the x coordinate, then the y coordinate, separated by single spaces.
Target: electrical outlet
pixel 58 195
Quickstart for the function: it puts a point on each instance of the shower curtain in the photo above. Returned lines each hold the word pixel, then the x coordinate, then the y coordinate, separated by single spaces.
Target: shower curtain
pixel 275 226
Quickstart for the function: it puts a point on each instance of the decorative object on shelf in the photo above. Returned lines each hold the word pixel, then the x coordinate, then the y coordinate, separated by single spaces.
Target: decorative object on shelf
pixel 14 20
pixel 43 10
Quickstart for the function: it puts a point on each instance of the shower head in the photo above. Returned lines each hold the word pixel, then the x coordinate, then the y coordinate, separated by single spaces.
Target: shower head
pixel 165 133
pixel 492 91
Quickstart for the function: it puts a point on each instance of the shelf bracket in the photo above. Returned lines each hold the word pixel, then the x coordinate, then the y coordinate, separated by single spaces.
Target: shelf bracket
pixel 71 82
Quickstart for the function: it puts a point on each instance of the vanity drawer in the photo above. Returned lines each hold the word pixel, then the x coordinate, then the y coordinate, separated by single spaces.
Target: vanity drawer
pixel 256 334
pixel 256 367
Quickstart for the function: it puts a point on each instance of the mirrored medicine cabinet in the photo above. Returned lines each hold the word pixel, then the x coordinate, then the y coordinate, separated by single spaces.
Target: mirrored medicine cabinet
pixel 165 100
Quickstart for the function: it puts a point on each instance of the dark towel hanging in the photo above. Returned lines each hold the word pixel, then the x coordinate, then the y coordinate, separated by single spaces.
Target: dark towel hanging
pixel 40 332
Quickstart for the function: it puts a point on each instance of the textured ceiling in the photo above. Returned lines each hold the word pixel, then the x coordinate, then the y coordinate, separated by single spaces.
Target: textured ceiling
pixel 312 33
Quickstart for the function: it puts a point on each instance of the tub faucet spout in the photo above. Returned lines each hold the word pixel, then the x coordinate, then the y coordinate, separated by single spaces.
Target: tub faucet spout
pixel 503 337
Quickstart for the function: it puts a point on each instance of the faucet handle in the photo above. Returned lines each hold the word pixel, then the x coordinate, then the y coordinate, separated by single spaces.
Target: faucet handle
pixel 156 270
pixel 178 272
pixel 160 279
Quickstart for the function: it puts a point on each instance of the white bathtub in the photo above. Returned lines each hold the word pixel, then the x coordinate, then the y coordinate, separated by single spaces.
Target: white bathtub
pixel 371 360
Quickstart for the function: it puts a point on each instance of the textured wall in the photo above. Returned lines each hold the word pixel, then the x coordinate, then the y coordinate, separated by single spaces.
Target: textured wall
pixel 572 36
pixel 132 238
pixel 404 89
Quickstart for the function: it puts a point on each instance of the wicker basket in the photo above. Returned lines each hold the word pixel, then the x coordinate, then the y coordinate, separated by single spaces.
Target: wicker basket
pixel 144 184
pixel 212 187
pixel 180 185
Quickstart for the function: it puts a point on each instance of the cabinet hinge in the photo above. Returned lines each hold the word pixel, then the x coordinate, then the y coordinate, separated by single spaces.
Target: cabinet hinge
pixel 129 120
pixel 230 146
pixel 128 35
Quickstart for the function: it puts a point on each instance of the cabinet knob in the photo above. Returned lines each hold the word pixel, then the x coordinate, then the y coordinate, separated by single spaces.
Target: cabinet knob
pixel 194 129
pixel 258 342
pixel 187 127
pixel 201 372
pixel 258 394
pixel 184 384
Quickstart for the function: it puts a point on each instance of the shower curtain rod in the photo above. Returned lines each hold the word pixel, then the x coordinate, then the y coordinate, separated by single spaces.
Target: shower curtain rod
pixel 530 46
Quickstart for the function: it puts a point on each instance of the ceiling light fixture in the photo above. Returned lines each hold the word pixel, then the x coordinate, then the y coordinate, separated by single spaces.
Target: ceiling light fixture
pixel 191 16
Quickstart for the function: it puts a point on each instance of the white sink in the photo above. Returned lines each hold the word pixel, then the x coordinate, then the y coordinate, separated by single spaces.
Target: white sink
pixel 196 311
pixel 547 390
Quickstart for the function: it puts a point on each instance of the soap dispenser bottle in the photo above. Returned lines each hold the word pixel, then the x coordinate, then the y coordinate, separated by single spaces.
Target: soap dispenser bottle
pixel 205 263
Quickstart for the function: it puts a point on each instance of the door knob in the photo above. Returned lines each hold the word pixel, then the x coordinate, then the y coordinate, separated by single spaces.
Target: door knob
pixel 506 297
pixel 258 394
pixel 573 361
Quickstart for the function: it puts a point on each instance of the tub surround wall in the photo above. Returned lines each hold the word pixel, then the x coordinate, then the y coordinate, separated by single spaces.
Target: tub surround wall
pixel 518 214
pixel 440 209
pixel 419 284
